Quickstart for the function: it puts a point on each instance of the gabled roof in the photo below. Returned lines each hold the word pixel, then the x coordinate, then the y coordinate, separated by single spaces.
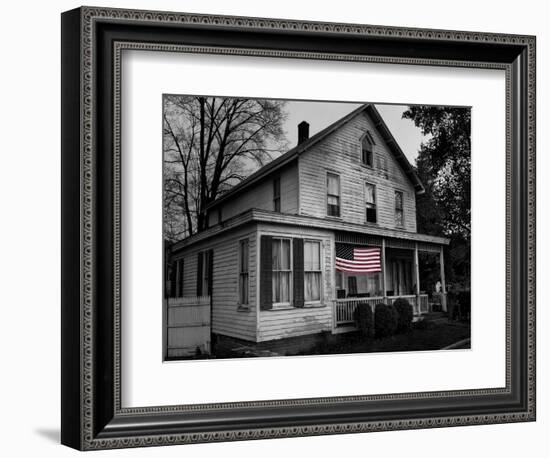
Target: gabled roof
pixel 293 154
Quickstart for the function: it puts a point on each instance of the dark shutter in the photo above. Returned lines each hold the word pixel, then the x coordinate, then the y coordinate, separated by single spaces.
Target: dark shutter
pixel 298 271
pixel 210 268
pixel 173 268
pixel 266 280
pixel 199 273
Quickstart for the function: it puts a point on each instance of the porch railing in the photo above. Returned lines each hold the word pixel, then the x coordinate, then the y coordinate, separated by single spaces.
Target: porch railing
pixel 345 308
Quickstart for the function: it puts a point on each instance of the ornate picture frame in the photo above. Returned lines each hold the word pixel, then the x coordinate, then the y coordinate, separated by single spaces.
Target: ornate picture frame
pixel 92 413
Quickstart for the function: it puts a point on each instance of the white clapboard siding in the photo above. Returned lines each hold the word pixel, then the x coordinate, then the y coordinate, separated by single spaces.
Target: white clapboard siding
pixel 227 317
pixel 261 196
pixel 293 322
pixel 188 326
pixel 278 324
pixel 340 152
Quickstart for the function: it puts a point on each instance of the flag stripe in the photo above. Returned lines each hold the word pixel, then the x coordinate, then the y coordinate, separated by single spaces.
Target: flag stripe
pixel 357 260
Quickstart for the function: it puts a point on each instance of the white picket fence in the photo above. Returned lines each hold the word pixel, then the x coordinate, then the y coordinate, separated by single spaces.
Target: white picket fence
pixel 187 326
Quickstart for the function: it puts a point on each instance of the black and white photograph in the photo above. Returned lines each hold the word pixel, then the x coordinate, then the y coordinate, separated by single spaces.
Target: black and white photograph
pixel 308 227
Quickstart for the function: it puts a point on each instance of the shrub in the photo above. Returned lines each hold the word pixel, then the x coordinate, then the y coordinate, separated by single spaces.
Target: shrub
pixel 364 319
pixel 385 320
pixel 405 314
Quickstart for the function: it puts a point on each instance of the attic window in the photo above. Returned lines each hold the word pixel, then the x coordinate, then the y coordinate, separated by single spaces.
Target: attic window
pixel 367 150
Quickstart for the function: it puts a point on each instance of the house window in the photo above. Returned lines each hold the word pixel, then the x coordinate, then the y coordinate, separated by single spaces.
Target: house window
pixel 243 272
pixel 312 271
pixel 281 271
pixel 206 272
pixel 179 278
pixel 399 209
pixel 277 194
pixel 333 194
pixel 367 150
pixel 370 203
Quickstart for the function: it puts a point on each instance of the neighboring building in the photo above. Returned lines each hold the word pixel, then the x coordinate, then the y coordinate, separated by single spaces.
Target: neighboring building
pixel 293 249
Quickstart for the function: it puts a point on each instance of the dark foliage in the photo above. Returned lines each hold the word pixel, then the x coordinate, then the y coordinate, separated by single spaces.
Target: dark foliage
pixel 444 166
pixel 385 320
pixel 459 304
pixel 464 301
pixel 404 315
pixel 365 319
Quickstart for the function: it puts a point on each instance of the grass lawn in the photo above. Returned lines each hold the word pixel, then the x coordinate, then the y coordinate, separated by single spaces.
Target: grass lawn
pixel 434 337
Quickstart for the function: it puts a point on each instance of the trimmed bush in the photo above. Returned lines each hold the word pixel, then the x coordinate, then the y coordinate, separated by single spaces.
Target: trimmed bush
pixel 364 319
pixel 405 315
pixel 385 320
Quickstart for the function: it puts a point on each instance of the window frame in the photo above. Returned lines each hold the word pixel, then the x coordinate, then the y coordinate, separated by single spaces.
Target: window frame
pixel 339 196
pixel 396 208
pixel 279 305
pixel 375 194
pixel 321 271
pixel 241 273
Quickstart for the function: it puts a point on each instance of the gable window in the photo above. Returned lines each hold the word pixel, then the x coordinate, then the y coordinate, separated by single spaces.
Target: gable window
pixel 399 220
pixel 277 194
pixel 370 203
pixel 367 150
pixel 243 272
pixel 312 271
pixel 281 271
pixel 333 194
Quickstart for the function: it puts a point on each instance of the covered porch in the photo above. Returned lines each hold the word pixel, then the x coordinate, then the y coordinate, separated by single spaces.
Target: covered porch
pixel 374 270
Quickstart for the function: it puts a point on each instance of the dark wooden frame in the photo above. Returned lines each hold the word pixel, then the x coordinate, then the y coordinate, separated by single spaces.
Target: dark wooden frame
pixel 92 39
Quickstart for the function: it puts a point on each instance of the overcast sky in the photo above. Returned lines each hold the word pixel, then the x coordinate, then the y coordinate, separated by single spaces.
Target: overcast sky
pixel 321 114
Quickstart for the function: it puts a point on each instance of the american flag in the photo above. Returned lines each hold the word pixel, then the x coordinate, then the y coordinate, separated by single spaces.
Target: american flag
pixel 357 260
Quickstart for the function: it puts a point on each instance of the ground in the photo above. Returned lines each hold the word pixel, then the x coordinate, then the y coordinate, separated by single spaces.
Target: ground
pixel 432 336
pixel 434 333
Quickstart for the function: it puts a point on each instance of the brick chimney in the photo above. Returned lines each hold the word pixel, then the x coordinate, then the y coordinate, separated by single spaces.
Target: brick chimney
pixel 303 132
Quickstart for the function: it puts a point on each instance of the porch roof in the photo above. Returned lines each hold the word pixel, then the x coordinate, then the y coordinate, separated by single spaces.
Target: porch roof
pixel 265 216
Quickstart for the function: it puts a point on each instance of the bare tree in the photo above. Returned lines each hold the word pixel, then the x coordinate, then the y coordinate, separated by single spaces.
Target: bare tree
pixel 210 144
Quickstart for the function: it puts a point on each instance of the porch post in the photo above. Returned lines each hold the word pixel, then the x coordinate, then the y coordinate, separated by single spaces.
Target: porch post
pixel 384 268
pixel 417 276
pixel 443 287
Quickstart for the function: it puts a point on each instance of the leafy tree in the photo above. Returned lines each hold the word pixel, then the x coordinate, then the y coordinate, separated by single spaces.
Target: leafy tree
pixel 444 166
pixel 210 144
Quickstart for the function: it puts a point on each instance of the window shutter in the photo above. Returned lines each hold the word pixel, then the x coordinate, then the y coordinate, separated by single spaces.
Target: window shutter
pixel 210 270
pixel 199 273
pixel 266 280
pixel 298 269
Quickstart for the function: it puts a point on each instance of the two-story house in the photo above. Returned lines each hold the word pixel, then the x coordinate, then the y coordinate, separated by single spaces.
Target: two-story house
pixel 291 250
